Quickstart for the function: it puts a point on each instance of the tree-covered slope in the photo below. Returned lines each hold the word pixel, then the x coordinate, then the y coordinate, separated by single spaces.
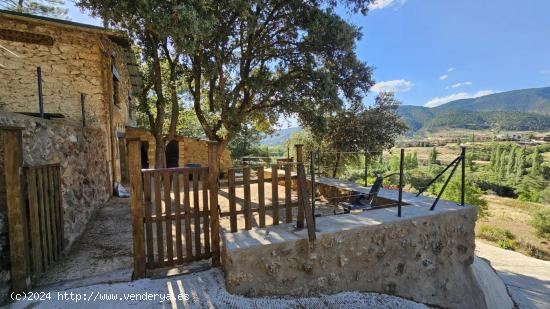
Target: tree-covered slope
pixel 534 100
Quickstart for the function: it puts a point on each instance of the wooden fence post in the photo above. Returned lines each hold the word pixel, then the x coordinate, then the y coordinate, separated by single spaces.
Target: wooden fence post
pixel 136 203
pixel 17 221
pixel 213 187
pixel 301 206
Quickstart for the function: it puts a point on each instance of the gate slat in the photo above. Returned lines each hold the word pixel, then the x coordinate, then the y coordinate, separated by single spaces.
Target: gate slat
pixel 168 218
pixel 34 221
pixel 158 222
pixel 247 212
pixel 58 210
pixel 60 205
pixel 288 196
pixel 177 200
pixel 148 223
pixel 261 196
pixel 187 209
pixel 53 212
pixel 196 214
pixel 232 202
pixel 206 212
pixel 46 198
pixel 275 193
pixel 42 212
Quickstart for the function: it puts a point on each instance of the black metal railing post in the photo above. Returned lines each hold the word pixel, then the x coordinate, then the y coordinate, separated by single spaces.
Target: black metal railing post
pixel 463 179
pixel 366 168
pixel 40 96
pixel 400 200
pixel 83 109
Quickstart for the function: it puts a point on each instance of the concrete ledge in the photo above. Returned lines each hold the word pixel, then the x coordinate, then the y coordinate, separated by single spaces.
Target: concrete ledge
pixel 424 255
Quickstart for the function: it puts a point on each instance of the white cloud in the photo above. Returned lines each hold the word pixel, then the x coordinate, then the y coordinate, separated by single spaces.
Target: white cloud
pixel 396 85
pixel 450 69
pixel 461 84
pixel 382 4
pixel 443 77
pixel 456 96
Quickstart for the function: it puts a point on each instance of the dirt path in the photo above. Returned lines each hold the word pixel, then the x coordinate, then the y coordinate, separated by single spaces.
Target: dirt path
pixel 103 251
pixel 527 278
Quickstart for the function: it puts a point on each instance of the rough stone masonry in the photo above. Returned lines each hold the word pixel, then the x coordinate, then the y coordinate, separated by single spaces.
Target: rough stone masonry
pixel 424 256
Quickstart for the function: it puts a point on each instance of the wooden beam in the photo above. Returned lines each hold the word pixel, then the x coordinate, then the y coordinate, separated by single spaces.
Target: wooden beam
pixel 134 164
pixel 19 251
pixel 213 187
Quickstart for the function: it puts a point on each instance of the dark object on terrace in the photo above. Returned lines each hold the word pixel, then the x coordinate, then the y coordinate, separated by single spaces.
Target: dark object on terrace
pixel 192 165
pixel 362 201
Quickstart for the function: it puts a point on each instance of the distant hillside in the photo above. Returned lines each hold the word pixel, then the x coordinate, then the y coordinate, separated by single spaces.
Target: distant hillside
pixel 279 137
pixel 534 100
pixel 518 110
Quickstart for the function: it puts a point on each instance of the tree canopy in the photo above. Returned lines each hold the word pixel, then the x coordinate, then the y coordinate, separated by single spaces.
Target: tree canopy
pixel 249 61
pixel 51 8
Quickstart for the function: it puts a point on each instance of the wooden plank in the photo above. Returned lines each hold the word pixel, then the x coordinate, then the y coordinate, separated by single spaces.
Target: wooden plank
pixel 178 218
pixel 213 163
pixel 13 163
pixel 136 198
pixel 232 203
pixel 148 224
pixel 53 212
pixel 302 186
pixel 58 207
pixel 255 210
pixel 47 207
pixel 275 193
pixel 166 177
pixel 158 225
pixel 196 215
pixel 206 215
pixel 187 210
pixel 261 196
pixel 247 202
pixel 34 222
pixel 42 213
pixel 61 210
pixel 288 194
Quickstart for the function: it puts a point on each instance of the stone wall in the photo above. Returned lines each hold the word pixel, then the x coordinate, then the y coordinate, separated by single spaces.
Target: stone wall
pixel 84 171
pixel 191 150
pixel 424 256
pixel 80 60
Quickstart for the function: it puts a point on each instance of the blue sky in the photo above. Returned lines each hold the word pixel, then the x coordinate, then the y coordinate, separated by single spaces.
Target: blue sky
pixel 432 51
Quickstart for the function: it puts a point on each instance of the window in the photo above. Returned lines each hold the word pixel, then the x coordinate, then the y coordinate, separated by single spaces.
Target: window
pixel 116 85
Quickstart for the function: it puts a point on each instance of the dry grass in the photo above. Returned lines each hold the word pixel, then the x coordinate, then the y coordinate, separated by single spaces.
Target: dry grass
pixel 514 216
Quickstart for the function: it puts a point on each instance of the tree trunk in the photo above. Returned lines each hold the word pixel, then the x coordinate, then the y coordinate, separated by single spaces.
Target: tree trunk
pixel 160 152
pixel 336 163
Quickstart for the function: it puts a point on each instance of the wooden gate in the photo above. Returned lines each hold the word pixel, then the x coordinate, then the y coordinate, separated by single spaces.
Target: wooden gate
pixel 45 215
pixel 35 212
pixel 175 213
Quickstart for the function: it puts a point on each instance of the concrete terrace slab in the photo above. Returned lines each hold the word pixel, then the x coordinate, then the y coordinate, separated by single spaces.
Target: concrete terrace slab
pixel 417 207
pixel 371 251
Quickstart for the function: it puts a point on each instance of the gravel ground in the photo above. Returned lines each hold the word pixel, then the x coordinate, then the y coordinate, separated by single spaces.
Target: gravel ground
pixel 205 290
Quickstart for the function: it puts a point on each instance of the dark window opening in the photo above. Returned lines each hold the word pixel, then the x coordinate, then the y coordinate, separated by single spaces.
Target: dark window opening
pixel 144 155
pixel 172 154
pixel 116 85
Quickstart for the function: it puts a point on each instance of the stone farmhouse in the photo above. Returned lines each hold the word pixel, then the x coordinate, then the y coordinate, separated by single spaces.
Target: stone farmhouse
pixel 88 82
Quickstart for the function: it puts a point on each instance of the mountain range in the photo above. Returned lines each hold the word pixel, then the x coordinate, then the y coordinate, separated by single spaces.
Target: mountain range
pixel 517 110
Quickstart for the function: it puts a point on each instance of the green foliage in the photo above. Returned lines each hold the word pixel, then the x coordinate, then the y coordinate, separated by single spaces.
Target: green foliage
pixel 50 8
pixel 495 234
pixel 433 156
pixel 472 194
pixel 246 142
pixel 506 244
pixel 541 222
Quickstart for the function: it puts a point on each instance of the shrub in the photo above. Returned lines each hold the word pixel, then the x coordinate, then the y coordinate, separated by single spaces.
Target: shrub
pixel 506 244
pixel 495 234
pixel 541 222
